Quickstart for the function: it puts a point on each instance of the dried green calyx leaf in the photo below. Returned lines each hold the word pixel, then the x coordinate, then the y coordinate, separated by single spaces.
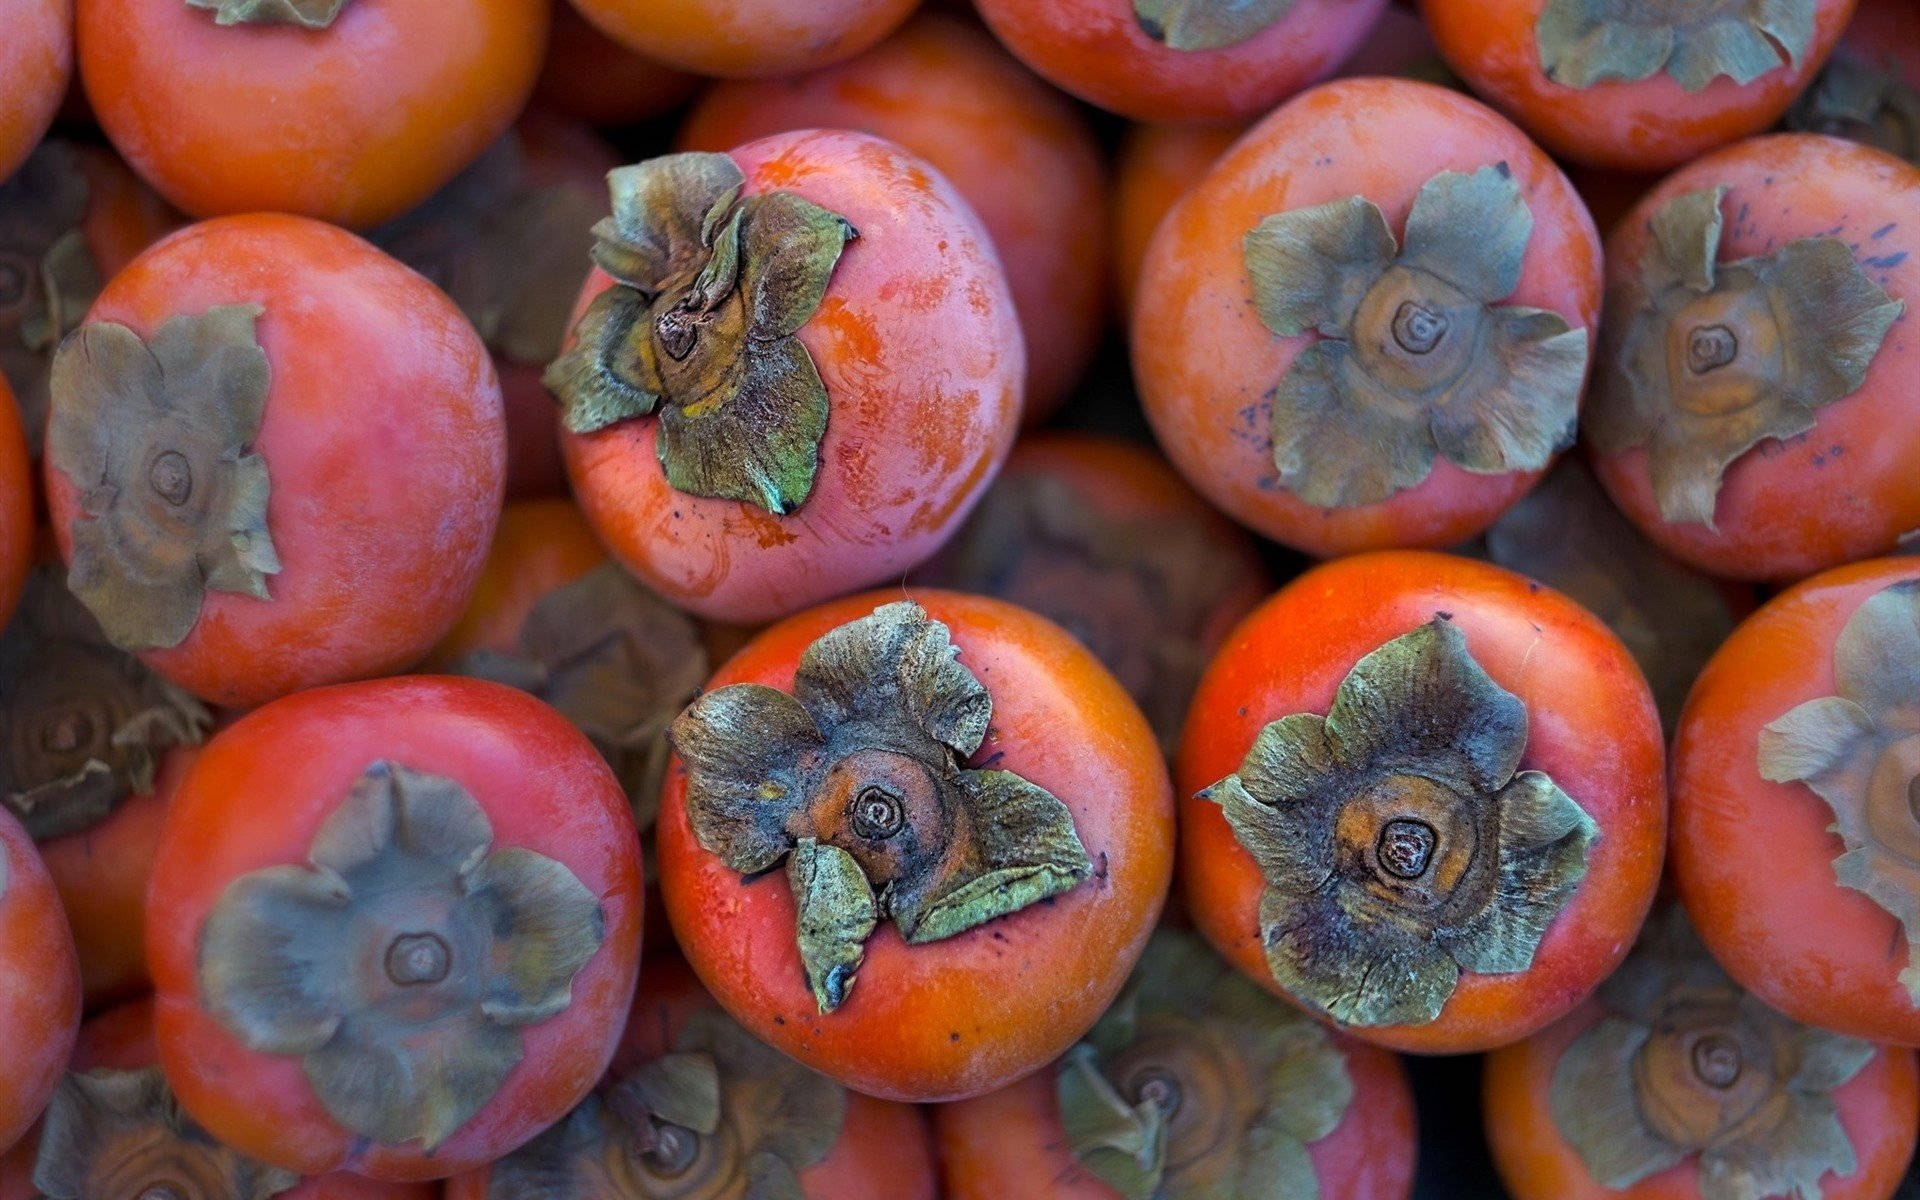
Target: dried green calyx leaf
pixel 510 254
pixel 1688 1064
pixel 48 278
pixel 721 1116
pixel 308 14
pixel 121 1133
pixel 83 724
pixel 710 288
pixel 1861 101
pixel 1701 361
pixel 1400 842
pixel 1670 616
pixel 617 661
pixel 858 775
pixel 1415 355
pixel 1860 752
pixel 403 962
pixel 1583 42
pixel 1207 24
pixel 1197 1085
pixel 157 439
pixel 1139 592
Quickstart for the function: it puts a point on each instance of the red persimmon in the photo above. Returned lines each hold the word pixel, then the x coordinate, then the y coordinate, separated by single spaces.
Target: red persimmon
pixel 745 38
pixel 16 504
pixel 275 459
pixel 592 78
pixel 39 983
pixel 392 926
pixel 35 60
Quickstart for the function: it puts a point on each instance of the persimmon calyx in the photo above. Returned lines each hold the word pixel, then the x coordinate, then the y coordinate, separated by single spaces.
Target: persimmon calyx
pixel 1687 1063
pixel 1137 591
pixel 1207 24
pixel 1700 360
pixel 1198 1083
pixel 856 777
pixel 87 723
pixel 720 1115
pixel 157 439
pixel 48 278
pixel 511 255
pixel 710 287
pixel 1584 42
pixel 617 661
pixel 1863 102
pixel 1670 617
pixel 1400 843
pixel 308 14
pixel 1859 751
pixel 1414 357
pixel 121 1133
pixel 402 963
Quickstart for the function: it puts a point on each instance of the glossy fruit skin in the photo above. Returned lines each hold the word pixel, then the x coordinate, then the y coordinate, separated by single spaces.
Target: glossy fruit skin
pixel 923 362
pixel 1592 727
pixel 543 787
pixel 1015 149
pixel 1844 490
pixel 101 874
pixel 1769 907
pixel 885 1149
pixel 36 59
pixel 962 1016
pixel 591 78
pixel 39 984
pixel 1650 124
pixel 1878 1108
pixel 354 124
pixel 1156 166
pixel 384 445
pixel 1097 50
pixel 1205 363
pixel 746 38
pixel 1010 1142
pixel 539 545
pixel 16 504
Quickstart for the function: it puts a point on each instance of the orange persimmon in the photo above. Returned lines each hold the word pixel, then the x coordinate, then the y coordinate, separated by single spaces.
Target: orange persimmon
pixel 1157 165
pixel 39 983
pixel 36 58
pixel 592 78
pixel 745 38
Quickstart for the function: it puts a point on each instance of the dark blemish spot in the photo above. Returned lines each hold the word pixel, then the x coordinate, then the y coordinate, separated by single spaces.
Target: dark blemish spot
pixel 1243 710
pixel 987 763
pixel 1886 262
pixel 998 936
pixel 1506 172
pixel 676 514
pixel 1741 217
pixel 1533 588
pixel 1883 231
pixel 1100 872
pixel 1444 616
pixel 779 1020
pixel 953 1036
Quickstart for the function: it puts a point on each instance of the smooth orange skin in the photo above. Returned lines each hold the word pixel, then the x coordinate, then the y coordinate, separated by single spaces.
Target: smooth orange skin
pixel 1011 1143
pixel 1591 726
pixel 1097 50
pixel 1014 149
pixel 101 874
pixel 1878 1109
pixel 746 38
pixel 884 1150
pixel 1845 490
pixel 124 215
pixel 354 124
pixel 540 545
pixel 36 59
pixel 16 504
pixel 594 79
pixel 1157 165
pixel 255 797
pixel 1650 124
pixel 383 439
pixel 1205 363
pixel 1768 906
pixel 39 984
pixel 917 343
pixel 963 1016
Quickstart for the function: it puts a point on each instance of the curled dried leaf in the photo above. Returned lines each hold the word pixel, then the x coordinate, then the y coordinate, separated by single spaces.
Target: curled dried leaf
pixel 1862 101
pixel 1584 42
pixel 1400 843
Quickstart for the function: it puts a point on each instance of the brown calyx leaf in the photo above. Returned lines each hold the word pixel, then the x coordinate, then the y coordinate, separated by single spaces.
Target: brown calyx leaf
pixel 1207 24
pixel 402 964
pixel 48 278
pixel 308 14
pixel 157 438
pixel 85 722
pixel 121 1133
pixel 1584 42
pixel 1703 360
pixel 1400 843
pixel 710 288
pixel 858 774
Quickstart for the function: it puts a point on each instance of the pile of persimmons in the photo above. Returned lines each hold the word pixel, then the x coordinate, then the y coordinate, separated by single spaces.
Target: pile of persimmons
pixel 809 600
